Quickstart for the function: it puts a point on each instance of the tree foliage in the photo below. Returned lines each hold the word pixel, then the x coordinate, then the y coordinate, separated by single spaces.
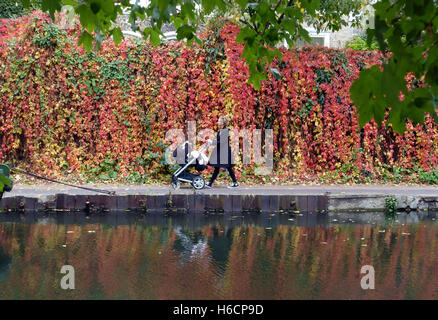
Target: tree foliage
pixel 358 43
pixel 265 22
pixel 409 31
pixel 14 8
pixel 4 181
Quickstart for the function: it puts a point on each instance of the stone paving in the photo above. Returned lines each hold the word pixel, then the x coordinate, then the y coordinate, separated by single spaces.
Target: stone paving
pixel 49 189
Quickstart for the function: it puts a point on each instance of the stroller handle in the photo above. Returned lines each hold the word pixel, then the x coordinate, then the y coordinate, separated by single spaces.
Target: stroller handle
pixel 207 144
pixel 203 148
pixel 191 160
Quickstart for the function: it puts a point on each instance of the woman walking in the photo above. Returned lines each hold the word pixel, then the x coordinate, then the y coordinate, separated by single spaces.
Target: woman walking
pixel 221 155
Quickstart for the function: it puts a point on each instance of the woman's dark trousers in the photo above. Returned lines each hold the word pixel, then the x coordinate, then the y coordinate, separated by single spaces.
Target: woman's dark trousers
pixel 216 172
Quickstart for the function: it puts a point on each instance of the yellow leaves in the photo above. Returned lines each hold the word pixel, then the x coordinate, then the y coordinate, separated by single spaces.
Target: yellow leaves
pixel 63 163
pixel 17 130
pixel 229 105
pixel 5 89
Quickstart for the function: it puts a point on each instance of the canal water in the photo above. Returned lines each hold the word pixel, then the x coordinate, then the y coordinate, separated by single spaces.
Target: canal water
pixel 253 256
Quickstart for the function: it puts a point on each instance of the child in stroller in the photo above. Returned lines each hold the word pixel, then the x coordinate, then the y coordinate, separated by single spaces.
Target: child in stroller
pixel 196 159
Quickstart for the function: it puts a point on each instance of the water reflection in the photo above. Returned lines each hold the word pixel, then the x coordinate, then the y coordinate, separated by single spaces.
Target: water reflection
pixel 5 265
pixel 121 256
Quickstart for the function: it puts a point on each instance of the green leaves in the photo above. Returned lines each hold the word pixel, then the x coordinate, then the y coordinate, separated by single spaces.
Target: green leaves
pixel 406 30
pixel 208 5
pixel 185 32
pixel 4 181
pixel 154 36
pixel 419 104
pixel 310 6
pixel 265 22
pixel 86 40
pixel 68 2
pixel 242 3
pixel 50 6
pixel 117 35
pixel 362 94
pixel 87 17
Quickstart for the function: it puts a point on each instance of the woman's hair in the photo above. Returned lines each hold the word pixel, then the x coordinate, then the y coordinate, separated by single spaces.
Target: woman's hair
pixel 226 119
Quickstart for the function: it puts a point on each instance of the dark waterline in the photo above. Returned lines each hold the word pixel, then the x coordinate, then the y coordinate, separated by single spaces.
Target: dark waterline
pixel 253 256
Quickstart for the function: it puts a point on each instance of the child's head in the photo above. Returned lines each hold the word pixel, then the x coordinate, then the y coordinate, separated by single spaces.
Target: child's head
pixel 224 121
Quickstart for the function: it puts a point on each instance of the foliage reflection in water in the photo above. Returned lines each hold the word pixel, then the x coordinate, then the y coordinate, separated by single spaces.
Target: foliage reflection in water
pixel 129 256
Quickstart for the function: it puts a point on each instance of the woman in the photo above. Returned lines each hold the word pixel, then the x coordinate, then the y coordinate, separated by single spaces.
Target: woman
pixel 225 162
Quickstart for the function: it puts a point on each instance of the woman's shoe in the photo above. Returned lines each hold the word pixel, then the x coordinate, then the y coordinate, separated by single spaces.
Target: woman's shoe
pixel 234 185
pixel 208 185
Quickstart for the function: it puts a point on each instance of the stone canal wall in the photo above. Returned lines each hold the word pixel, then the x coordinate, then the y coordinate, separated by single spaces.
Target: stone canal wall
pixel 169 202
pixel 291 199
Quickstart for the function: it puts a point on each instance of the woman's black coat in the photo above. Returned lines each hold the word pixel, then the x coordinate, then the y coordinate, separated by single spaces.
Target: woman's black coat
pixel 215 158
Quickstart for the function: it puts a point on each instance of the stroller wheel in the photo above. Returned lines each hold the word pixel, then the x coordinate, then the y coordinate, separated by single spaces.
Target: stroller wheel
pixel 176 185
pixel 198 183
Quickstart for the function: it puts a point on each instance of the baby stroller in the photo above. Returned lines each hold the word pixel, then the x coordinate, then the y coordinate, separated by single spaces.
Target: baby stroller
pixel 197 160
